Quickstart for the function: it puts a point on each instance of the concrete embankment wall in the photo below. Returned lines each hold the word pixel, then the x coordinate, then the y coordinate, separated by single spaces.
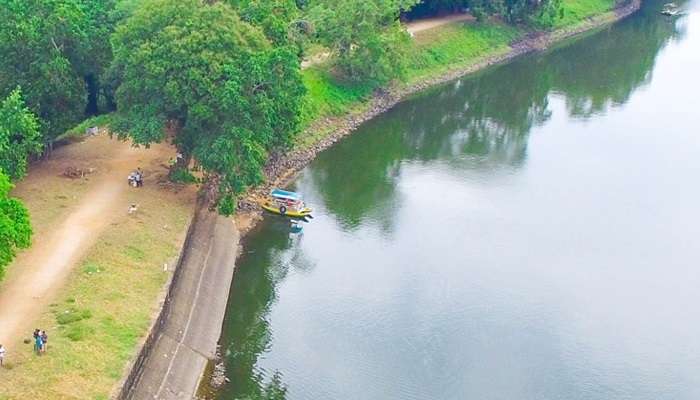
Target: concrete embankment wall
pixel 185 334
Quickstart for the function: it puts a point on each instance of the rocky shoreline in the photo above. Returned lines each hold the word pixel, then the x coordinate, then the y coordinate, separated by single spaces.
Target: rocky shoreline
pixel 281 169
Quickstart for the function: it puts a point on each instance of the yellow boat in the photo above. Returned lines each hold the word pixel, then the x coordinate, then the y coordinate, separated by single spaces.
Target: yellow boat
pixel 288 204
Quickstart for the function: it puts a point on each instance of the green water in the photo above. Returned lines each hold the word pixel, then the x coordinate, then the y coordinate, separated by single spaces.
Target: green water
pixel 531 232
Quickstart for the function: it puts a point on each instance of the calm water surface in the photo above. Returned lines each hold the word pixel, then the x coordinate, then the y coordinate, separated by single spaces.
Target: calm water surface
pixel 531 232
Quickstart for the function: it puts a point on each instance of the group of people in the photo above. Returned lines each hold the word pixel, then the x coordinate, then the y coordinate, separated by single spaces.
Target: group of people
pixel 40 344
pixel 136 178
pixel 40 341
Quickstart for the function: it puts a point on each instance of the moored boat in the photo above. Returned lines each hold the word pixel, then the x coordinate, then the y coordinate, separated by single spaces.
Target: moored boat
pixel 289 204
pixel 670 9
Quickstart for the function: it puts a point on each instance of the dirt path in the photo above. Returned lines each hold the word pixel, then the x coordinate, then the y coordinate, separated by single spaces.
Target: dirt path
pixel 38 273
pixel 430 23
pixel 412 28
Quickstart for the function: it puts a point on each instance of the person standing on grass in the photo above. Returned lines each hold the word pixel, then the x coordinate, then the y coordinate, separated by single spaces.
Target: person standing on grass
pixel 44 341
pixel 38 343
pixel 35 336
pixel 2 354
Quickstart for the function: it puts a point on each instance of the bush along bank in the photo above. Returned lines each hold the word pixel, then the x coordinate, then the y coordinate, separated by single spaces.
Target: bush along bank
pixel 334 109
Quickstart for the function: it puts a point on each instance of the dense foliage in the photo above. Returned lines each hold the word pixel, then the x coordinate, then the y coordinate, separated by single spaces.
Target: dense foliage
pixel 275 17
pixel 227 93
pixel 19 135
pixel 366 36
pixel 15 231
pixel 540 12
pixel 55 50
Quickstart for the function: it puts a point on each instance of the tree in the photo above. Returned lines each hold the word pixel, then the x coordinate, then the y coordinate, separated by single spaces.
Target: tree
pixel 19 135
pixel 15 230
pixel 54 49
pixel 228 95
pixel 366 36
pixel 275 17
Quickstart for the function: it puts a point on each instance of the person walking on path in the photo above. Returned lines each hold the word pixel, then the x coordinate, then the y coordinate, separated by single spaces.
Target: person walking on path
pixel 2 354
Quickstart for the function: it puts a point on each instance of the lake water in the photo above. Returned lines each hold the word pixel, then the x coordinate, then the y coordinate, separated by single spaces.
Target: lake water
pixel 528 232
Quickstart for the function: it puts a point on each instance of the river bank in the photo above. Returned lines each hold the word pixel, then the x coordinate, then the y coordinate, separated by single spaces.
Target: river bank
pixel 283 167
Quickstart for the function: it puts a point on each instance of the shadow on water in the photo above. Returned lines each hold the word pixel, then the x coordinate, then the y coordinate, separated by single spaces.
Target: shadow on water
pixel 480 124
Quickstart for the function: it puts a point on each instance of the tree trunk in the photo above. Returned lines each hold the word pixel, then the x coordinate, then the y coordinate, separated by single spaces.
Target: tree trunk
pixel 182 161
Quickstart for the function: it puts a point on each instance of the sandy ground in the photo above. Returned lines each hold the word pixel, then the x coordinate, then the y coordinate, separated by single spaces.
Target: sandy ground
pixel 430 23
pixel 412 28
pixel 62 238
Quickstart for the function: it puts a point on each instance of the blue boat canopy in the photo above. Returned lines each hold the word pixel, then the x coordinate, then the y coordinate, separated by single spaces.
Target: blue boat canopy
pixel 283 194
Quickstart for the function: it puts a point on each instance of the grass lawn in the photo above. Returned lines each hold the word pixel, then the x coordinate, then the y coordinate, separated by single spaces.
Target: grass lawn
pixel 456 46
pixel 576 11
pixel 328 96
pixel 107 305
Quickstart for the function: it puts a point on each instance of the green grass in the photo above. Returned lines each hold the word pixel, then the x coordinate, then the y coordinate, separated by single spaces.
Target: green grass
pixel 576 11
pixel 328 96
pixel 457 45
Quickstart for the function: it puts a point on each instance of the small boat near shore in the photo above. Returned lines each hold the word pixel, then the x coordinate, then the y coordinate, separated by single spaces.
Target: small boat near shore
pixel 670 9
pixel 285 203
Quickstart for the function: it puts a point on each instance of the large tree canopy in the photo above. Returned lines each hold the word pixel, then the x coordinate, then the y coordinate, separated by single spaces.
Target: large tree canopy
pixel 228 94
pixel 275 17
pixel 19 135
pixel 15 231
pixel 366 36
pixel 51 48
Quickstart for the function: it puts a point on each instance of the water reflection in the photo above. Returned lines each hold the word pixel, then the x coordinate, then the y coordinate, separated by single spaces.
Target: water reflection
pixel 248 334
pixel 481 124
pixel 612 65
